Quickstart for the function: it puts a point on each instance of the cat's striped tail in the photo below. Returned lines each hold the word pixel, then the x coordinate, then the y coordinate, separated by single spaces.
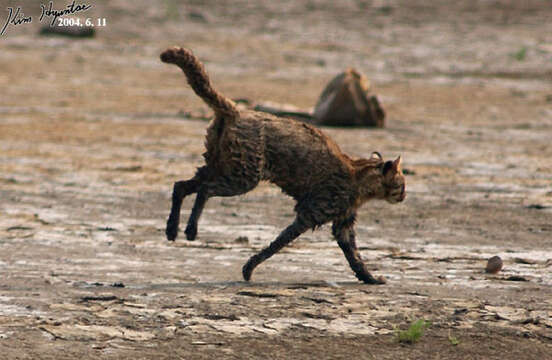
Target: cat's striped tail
pixel 199 81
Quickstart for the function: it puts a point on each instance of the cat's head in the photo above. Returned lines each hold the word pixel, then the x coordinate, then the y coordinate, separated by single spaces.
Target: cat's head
pixel 393 182
pixel 383 179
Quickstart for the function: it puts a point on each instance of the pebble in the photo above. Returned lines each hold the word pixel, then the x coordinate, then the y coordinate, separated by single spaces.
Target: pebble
pixel 494 265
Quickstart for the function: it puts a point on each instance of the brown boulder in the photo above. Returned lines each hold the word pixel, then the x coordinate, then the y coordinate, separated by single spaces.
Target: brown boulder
pixel 346 102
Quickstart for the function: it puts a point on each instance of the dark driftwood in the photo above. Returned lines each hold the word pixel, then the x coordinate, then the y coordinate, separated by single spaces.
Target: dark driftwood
pixel 276 109
pixel 69 31
pixel 299 115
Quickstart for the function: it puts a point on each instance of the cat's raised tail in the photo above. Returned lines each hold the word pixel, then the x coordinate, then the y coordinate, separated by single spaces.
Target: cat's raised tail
pixel 199 81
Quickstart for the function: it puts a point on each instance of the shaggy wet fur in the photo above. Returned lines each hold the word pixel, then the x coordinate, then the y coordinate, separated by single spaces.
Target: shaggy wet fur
pixel 245 147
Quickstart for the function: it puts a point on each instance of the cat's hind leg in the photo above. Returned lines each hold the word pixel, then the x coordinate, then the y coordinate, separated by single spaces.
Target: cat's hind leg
pixel 221 186
pixel 199 204
pixel 181 189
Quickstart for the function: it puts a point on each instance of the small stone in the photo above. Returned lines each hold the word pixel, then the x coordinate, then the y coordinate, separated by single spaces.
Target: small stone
pixel 494 265
pixel 197 16
pixel 242 240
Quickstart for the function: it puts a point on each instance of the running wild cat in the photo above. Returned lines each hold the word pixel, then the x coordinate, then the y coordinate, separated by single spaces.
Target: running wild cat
pixel 245 147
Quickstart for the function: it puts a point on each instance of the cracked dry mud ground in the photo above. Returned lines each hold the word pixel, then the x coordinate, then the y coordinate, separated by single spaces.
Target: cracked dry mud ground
pixel 92 138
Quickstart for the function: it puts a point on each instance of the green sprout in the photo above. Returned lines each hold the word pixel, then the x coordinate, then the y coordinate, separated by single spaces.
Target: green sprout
pixel 453 340
pixel 413 333
pixel 521 54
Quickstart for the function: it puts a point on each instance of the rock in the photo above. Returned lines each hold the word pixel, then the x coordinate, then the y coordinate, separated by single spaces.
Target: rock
pixel 494 265
pixel 346 102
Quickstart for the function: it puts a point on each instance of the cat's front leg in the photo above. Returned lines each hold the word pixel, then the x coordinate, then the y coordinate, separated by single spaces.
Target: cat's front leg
pixel 286 236
pixel 344 232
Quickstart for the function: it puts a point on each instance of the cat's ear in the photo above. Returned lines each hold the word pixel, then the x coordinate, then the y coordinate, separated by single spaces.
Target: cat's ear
pixel 387 167
pixel 397 164
pixel 392 165
pixel 376 155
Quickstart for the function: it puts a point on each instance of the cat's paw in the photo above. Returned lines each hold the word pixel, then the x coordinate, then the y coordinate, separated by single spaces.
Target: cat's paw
pixel 369 279
pixel 247 270
pixel 191 232
pixel 172 230
pixel 380 280
pixel 250 265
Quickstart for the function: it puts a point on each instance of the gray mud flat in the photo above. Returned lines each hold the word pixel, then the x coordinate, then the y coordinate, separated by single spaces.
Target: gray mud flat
pixel 92 138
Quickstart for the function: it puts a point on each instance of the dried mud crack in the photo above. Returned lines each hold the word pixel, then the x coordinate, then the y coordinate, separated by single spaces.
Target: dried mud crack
pixel 90 146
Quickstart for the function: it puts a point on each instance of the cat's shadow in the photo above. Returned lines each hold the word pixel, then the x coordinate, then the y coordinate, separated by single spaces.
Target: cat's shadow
pixel 268 285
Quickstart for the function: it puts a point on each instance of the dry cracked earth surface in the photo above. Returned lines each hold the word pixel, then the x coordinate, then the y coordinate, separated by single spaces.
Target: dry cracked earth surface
pixel 94 132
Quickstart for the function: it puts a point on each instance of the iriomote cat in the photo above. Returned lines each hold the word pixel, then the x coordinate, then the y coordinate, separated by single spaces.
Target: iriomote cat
pixel 244 147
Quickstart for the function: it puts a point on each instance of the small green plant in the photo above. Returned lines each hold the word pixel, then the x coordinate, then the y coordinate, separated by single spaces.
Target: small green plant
pixel 521 54
pixel 413 333
pixel 453 340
